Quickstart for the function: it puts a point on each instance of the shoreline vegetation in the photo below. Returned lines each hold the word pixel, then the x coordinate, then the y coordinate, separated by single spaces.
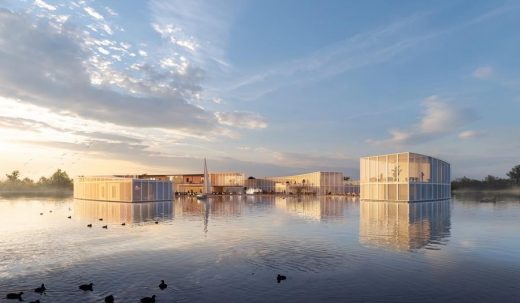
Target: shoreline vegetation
pixel 489 183
pixel 58 183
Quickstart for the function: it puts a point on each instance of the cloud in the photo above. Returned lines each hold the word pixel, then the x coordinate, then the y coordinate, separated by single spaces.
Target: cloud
pixel 483 72
pixel 200 28
pixel 439 118
pixel 468 134
pixel 46 66
pixel 241 119
pixel 367 48
pixel 93 13
pixel 23 124
pixel 43 4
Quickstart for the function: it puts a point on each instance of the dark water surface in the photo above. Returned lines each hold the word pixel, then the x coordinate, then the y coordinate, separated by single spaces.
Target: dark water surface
pixel 231 249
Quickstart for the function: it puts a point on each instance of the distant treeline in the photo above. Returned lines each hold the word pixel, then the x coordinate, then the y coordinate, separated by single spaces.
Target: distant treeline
pixel 58 181
pixel 489 182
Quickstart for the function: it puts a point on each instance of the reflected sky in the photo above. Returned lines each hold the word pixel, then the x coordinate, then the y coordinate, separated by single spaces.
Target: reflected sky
pixel 232 248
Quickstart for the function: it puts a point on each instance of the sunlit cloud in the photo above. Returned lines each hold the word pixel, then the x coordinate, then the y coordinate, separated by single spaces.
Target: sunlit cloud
pixel 468 134
pixel 241 119
pixel 440 117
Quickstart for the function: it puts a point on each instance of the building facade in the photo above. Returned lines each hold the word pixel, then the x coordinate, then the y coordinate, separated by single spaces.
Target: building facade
pixel 404 177
pixel 122 189
pixel 257 186
pixel 221 183
pixel 319 183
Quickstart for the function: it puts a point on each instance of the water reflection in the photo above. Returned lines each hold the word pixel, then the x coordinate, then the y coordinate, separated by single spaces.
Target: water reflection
pixel 313 207
pixel 216 206
pixel 404 226
pixel 116 212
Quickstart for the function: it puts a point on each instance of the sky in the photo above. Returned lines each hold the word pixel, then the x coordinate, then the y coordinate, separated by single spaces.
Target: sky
pixel 262 87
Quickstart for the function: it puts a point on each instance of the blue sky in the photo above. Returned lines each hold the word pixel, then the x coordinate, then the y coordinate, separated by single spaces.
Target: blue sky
pixel 263 87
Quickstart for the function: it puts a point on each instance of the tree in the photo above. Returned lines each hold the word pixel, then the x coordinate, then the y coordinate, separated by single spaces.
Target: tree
pixel 60 179
pixel 27 181
pixel 514 174
pixel 43 180
pixel 14 176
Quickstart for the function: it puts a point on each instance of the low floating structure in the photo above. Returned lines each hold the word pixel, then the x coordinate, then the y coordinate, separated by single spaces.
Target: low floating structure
pixel 123 188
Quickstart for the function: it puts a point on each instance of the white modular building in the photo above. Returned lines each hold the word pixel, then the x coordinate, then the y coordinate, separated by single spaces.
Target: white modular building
pixel 404 177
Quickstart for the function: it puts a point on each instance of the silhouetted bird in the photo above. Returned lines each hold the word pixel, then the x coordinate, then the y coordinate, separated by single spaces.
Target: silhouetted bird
pixel 86 287
pixel 163 285
pixel 100 219
pixel 156 222
pixel 123 224
pixel 89 225
pixel 41 214
pixel 148 299
pixel 50 211
pixel 109 299
pixel 280 278
pixel 37 301
pixel 17 296
pixel 40 289
pixel 105 226
pixel 69 217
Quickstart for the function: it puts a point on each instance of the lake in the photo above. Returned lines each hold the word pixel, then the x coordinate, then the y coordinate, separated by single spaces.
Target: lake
pixel 332 249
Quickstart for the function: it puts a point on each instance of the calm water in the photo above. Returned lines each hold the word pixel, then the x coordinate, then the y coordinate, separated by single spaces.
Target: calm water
pixel 230 249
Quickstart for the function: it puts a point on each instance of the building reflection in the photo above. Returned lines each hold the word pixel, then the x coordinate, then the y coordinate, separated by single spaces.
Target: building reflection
pixel 219 206
pixel 313 207
pixel 116 212
pixel 403 226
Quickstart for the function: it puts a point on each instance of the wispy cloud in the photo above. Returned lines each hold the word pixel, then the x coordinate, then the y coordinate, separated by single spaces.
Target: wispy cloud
pixel 45 5
pixel 468 134
pixel 483 72
pixel 92 12
pixel 363 49
pixel 440 117
pixel 241 119
pixel 201 28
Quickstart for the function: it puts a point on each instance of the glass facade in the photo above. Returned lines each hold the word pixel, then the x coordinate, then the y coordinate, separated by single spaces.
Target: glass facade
pixel 404 177
pixel 226 182
pixel 320 183
pixel 122 189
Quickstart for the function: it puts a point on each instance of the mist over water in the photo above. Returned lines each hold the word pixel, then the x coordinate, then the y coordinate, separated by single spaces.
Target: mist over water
pixel 231 249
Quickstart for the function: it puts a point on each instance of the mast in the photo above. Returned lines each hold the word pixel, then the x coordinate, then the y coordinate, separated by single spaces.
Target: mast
pixel 206 179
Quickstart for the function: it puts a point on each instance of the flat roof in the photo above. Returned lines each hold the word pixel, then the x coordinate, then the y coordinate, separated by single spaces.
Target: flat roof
pixel 405 153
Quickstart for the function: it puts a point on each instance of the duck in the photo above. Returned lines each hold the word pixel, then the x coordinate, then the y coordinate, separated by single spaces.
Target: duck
pixel 37 301
pixel 156 222
pixel 148 299
pixel 89 225
pixel 86 287
pixel 100 219
pixel 50 211
pixel 41 214
pixel 123 224
pixel 280 278
pixel 105 226
pixel 17 296
pixel 69 217
pixel 109 299
pixel 40 289
pixel 163 285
